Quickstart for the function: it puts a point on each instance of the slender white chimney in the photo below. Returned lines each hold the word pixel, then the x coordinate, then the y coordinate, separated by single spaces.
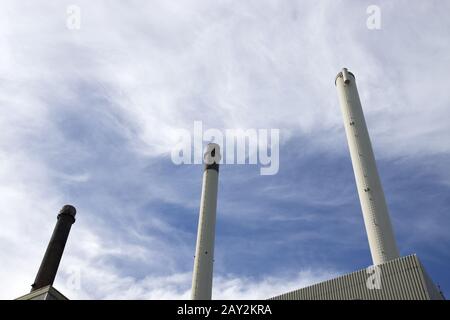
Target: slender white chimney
pixel 204 254
pixel 376 217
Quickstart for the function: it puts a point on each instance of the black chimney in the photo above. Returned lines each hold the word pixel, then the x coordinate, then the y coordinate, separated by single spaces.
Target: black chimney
pixel 49 266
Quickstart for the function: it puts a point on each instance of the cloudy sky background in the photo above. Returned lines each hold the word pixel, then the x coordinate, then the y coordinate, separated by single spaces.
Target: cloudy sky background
pixel 88 117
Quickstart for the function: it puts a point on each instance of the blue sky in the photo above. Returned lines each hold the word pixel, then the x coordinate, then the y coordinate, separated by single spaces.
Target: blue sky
pixel 88 118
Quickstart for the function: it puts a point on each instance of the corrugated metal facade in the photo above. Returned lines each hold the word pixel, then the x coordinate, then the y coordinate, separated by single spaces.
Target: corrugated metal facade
pixel 401 279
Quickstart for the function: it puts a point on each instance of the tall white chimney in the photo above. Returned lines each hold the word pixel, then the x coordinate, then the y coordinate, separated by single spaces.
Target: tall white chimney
pixel 204 253
pixel 376 217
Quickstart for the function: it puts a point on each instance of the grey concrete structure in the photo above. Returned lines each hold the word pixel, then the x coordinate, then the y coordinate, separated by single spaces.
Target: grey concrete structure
pixel 391 277
pixel 371 196
pixel 204 253
pixel 399 279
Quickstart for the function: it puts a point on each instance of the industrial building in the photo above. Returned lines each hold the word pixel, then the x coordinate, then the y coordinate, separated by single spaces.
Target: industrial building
pixel 400 279
pixel 390 276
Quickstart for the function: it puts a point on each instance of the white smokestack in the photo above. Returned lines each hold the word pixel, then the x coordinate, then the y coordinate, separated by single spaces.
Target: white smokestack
pixel 204 253
pixel 376 217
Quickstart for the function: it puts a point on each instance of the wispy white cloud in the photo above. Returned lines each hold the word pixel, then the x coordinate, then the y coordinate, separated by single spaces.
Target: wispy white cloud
pixel 107 285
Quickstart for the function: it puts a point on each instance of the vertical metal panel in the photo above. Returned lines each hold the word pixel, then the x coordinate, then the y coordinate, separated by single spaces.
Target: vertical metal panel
pixel 369 292
pixel 358 288
pixel 354 294
pixel 422 279
pixel 405 277
pixel 400 281
pixel 340 288
pixel 420 290
pixel 410 271
pixel 395 281
pixel 387 284
pixel 362 280
pixel 347 286
pixel 391 270
pixel 306 293
pixel 331 289
pixel 416 278
pixel 320 292
pixel 314 289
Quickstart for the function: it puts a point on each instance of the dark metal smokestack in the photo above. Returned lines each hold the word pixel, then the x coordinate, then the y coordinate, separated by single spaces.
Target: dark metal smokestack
pixel 49 266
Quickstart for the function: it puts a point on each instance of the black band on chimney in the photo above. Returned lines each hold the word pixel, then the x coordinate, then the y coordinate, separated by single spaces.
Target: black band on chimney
pixel 214 166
